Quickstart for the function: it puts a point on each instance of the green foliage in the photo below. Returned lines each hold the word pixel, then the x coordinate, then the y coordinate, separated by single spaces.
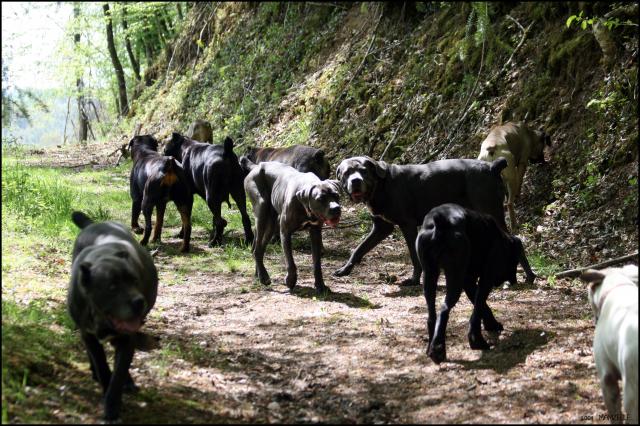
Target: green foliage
pixel 585 22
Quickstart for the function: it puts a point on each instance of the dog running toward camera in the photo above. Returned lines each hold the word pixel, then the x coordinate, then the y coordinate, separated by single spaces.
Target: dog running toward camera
pixel 613 295
pixel 154 181
pixel 113 287
pixel 476 255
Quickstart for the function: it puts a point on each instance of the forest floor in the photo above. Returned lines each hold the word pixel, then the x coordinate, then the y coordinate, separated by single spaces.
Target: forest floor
pixel 234 351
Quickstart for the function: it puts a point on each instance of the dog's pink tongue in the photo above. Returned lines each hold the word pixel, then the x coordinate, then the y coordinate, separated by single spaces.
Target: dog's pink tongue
pixel 130 326
pixel 333 222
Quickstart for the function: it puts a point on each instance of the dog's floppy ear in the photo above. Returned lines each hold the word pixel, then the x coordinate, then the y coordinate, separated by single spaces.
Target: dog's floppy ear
pixel 340 171
pixel 592 276
pixel 304 196
pixel 319 155
pixel 131 142
pixel 380 167
pixel 85 274
pixel 335 185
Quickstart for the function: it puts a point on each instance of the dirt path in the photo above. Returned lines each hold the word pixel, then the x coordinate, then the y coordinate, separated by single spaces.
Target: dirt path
pixel 234 351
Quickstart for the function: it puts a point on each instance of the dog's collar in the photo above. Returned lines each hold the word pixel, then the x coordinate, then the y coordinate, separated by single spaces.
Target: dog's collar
pixel 605 293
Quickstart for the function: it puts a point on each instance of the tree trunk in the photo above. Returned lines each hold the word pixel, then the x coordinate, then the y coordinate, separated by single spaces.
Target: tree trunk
pixel 82 117
pixel 117 66
pixel 179 11
pixel 135 65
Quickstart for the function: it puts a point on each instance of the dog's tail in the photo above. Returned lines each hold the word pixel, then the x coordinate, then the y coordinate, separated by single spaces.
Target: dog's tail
pixel 81 220
pixel 498 165
pixel 228 146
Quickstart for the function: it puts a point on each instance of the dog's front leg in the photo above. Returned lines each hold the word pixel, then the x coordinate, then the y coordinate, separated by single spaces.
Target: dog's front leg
pixel 98 360
pixel 292 272
pixel 410 232
pixel 136 208
pixel 113 397
pixel 315 234
pixel 381 230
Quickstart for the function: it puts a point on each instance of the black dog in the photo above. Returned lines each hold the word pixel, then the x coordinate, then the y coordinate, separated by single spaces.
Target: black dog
pixel 112 289
pixel 285 199
pixel 213 172
pixel 469 246
pixel 403 195
pixel 155 180
pixel 302 158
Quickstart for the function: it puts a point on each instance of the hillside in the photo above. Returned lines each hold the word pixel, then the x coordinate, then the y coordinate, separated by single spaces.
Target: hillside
pixel 424 84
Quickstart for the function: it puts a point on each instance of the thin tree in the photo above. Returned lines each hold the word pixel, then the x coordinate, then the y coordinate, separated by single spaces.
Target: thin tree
pixel 135 65
pixel 117 66
pixel 83 121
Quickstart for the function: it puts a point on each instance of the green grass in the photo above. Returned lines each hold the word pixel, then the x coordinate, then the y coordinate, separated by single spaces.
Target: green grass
pixel 542 265
pixel 40 350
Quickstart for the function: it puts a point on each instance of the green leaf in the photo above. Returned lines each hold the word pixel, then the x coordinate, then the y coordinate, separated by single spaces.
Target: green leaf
pixel 583 24
pixel 570 20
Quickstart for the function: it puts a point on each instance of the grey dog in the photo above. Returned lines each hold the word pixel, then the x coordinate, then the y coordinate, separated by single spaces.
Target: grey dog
pixel 282 196
pixel 113 287
pixel 403 194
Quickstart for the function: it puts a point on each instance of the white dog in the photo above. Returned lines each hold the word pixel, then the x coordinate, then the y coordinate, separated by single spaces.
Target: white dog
pixel 613 294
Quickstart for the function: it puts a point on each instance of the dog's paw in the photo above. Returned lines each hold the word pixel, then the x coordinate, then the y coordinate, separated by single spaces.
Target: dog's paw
pixel 323 291
pixel 477 342
pixel 437 352
pixel 291 280
pixel 344 271
pixel 496 327
pixel 137 230
pixel 409 282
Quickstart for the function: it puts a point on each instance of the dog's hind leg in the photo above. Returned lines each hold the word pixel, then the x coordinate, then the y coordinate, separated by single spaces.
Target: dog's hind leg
pixel 185 231
pixel 630 396
pixel 147 210
pixel 264 229
pixel 157 229
pixel 218 223
pixel 136 208
pixel 437 348
pixel 488 320
pixel 611 394
pixel 476 341
pixel 240 199
pixel 431 271
pixel 98 360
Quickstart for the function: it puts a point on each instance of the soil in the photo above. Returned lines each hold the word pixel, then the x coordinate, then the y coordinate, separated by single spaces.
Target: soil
pixel 249 353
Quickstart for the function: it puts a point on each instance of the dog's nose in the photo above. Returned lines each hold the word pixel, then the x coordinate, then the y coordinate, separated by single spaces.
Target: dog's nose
pixel 356 184
pixel 137 305
pixel 334 209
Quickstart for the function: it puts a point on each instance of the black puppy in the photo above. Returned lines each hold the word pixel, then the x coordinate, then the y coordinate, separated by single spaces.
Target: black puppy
pixel 301 157
pixel 213 172
pixel 154 180
pixel 471 247
pixel 403 194
pixel 113 287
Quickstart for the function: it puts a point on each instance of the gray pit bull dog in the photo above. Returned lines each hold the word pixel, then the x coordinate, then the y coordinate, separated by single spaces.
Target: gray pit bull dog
pixel 403 195
pixel 113 287
pixel 282 196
